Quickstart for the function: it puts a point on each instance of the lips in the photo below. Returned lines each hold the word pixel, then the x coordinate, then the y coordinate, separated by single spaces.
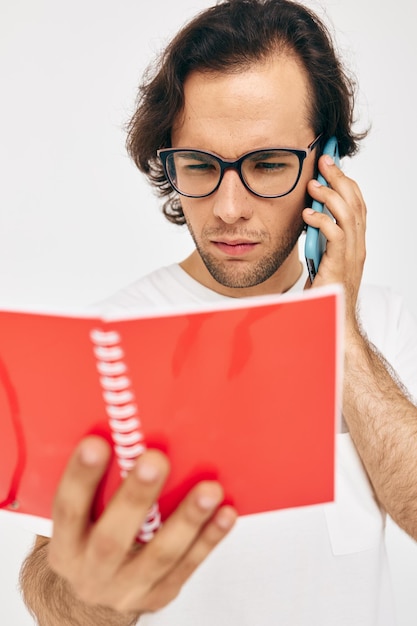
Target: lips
pixel 235 248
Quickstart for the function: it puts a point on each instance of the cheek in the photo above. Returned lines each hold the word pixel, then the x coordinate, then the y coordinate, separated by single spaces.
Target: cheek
pixel 196 211
pixel 287 210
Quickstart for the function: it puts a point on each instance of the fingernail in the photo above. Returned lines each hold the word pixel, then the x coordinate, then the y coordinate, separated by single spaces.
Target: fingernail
pixel 224 520
pixel 328 160
pixel 90 452
pixel 315 183
pixel 207 502
pixel 309 211
pixel 147 472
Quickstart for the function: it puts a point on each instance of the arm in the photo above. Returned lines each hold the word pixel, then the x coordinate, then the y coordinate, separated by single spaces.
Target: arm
pixel 381 417
pixel 92 573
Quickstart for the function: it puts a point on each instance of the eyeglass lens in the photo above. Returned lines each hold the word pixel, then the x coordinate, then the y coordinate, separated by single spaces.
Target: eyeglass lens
pixel 269 173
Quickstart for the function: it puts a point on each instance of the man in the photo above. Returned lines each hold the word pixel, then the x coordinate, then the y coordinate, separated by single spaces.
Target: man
pixel 255 79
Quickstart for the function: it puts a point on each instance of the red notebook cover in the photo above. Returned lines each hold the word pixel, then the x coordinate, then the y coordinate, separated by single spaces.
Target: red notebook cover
pixel 245 393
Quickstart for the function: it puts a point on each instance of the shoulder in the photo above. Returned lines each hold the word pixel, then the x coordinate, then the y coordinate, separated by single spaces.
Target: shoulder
pixel 147 292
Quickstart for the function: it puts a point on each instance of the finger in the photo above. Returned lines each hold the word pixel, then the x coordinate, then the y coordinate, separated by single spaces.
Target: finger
pixel 75 495
pixel 345 202
pixel 177 534
pixel 349 216
pixel 111 539
pixel 212 534
pixel 345 187
pixel 331 230
pixel 335 247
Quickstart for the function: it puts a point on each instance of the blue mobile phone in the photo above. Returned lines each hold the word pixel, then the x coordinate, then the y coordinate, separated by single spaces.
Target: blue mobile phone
pixel 315 242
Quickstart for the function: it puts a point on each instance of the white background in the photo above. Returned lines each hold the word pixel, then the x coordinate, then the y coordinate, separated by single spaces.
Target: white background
pixel 77 219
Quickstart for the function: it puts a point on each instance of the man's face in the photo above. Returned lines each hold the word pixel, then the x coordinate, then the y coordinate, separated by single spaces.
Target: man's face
pixel 246 244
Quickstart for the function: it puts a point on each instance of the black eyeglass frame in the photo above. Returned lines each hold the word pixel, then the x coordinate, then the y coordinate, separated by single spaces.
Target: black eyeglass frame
pixel 226 164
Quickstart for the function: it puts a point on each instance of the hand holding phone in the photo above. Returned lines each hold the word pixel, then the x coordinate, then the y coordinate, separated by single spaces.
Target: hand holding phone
pixel 315 242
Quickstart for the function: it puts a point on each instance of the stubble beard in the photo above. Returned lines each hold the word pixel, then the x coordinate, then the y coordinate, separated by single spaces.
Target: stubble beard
pixel 242 274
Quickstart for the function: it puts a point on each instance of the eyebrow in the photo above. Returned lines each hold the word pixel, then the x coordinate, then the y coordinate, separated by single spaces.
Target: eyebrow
pixel 198 156
pixel 269 153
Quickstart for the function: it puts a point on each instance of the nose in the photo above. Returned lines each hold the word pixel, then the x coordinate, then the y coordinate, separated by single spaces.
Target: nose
pixel 232 201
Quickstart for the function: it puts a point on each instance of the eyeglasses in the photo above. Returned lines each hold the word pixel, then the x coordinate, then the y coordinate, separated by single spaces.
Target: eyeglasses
pixel 268 173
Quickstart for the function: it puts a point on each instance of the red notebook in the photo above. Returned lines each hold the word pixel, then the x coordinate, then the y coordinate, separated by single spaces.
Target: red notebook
pixel 246 393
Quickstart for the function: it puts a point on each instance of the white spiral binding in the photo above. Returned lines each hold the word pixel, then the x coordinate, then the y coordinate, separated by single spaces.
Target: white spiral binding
pixel 122 412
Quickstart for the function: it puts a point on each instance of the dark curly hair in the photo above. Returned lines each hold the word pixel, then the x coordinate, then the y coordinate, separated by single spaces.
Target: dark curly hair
pixel 229 37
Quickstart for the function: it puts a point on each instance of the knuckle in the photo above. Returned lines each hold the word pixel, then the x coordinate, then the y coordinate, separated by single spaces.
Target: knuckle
pixel 212 535
pixel 325 218
pixel 163 555
pixel 339 237
pixel 88 594
pixel 339 173
pixel 163 597
pixel 104 546
pixel 171 591
pixel 193 515
pixel 132 493
pixel 192 562
pixel 322 220
pixel 357 204
pixel 65 511
pixel 355 188
pixel 351 220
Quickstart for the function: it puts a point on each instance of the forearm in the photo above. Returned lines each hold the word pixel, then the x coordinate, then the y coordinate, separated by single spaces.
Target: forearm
pixel 383 424
pixel 50 598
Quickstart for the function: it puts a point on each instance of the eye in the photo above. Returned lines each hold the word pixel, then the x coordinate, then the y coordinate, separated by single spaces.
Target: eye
pixel 272 162
pixel 192 162
pixel 199 166
pixel 270 165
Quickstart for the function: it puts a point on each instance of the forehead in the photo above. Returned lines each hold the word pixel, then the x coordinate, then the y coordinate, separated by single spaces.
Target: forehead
pixel 264 104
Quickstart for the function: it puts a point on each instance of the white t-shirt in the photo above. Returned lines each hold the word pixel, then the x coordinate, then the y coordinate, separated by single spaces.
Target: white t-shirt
pixel 321 565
